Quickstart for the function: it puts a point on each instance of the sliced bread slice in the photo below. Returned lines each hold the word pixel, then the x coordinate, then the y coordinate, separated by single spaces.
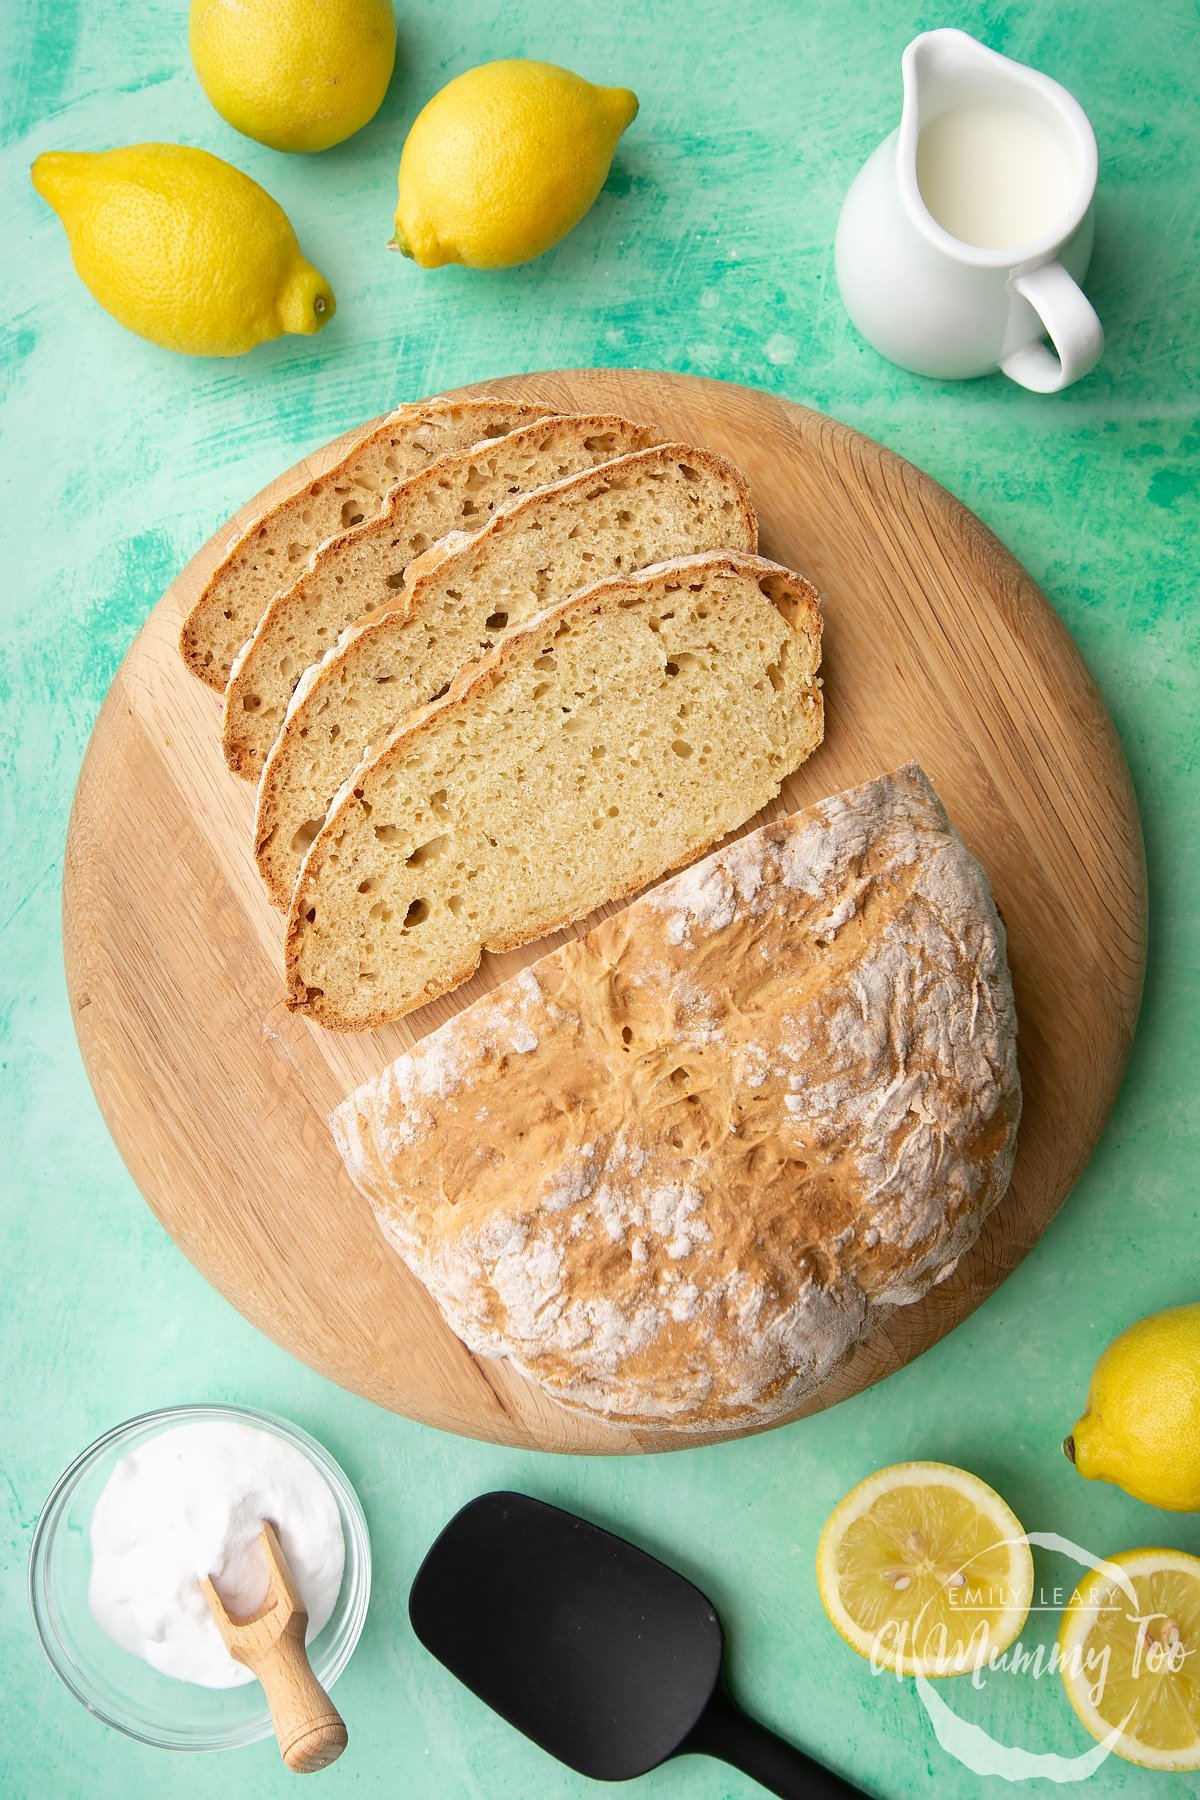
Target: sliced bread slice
pixel 269 555
pixel 463 595
pixel 364 568
pixel 606 742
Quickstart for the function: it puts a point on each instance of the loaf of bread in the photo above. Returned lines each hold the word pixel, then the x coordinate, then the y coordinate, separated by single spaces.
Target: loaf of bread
pixel 606 742
pixel 461 597
pixel 271 553
pixel 364 568
pixel 677 1169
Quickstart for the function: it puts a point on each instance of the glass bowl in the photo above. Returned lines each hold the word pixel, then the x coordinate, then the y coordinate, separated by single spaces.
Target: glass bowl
pixel 118 1687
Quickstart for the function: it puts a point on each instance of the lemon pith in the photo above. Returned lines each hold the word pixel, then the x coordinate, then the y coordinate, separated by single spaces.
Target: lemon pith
pixel 1136 1662
pixel 1141 1429
pixel 291 74
pixel 925 1569
pixel 503 162
pixel 183 249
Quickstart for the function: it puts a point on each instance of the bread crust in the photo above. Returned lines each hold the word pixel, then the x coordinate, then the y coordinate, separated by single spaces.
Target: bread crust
pixel 609 595
pixel 678 1169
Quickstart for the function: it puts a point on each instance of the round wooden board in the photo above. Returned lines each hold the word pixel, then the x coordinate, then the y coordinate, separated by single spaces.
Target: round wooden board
pixel 938 646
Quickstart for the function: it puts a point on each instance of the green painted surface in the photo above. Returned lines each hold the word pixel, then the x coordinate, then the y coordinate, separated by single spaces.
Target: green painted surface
pixel 709 251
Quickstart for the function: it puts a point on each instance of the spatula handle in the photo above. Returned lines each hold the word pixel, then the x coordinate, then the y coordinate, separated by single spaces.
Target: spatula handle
pixel 308 1726
pixel 725 1731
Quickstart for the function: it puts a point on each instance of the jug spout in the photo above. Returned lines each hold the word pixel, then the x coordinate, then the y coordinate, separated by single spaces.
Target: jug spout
pixel 992 157
pixel 946 68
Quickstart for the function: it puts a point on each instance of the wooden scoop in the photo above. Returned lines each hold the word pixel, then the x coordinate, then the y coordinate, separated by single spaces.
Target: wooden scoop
pixel 270 1644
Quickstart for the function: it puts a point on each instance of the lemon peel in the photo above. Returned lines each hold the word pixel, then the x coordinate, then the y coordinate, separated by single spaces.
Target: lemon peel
pixel 1141 1426
pixel 182 248
pixel 503 162
pixel 291 74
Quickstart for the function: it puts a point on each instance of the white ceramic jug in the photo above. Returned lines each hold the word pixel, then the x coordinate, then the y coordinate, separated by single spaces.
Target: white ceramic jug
pixel 964 237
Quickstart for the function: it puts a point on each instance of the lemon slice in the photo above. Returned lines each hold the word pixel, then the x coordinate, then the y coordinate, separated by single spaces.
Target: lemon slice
pixel 1135 1661
pixel 925 1569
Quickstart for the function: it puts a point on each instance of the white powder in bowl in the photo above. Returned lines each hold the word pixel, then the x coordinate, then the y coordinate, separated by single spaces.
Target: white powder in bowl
pixel 190 1503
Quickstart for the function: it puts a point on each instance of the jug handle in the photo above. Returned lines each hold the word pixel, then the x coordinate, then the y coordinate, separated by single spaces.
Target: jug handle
pixel 1071 325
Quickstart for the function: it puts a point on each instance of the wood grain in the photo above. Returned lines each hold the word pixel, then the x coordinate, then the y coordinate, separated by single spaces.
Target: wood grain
pixel 938 646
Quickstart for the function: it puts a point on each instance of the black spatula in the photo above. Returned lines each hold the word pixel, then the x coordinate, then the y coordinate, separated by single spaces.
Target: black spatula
pixel 599 1653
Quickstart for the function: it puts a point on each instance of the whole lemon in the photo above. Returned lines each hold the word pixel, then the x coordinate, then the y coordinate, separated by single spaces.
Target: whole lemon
pixel 183 249
pixel 294 74
pixel 1141 1429
pixel 503 162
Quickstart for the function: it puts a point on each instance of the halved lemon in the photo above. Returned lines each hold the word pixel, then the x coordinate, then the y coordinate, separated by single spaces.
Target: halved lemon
pixel 925 1569
pixel 1134 1660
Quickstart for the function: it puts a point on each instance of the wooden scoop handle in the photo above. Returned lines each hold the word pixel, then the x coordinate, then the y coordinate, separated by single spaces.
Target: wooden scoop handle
pixel 270 1643
pixel 309 1727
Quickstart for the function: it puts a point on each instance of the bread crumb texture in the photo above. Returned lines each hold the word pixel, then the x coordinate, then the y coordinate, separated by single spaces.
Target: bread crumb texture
pixel 364 567
pixel 459 600
pixel 677 1169
pixel 609 741
pixel 271 553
